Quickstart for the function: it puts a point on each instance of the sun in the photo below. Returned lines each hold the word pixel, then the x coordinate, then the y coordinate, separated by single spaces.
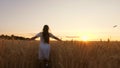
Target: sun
pixel 84 38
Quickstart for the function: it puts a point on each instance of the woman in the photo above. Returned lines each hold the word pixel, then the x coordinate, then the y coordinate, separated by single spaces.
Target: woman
pixel 44 48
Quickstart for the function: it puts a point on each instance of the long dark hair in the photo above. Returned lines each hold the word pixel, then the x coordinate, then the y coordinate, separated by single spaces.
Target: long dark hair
pixel 45 33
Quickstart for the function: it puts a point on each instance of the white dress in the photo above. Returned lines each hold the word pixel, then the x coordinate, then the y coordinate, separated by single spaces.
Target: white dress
pixel 44 48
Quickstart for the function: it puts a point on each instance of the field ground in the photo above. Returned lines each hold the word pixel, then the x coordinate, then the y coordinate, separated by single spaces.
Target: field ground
pixel 67 54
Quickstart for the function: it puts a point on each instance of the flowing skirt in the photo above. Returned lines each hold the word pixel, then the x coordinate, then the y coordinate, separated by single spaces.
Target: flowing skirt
pixel 44 51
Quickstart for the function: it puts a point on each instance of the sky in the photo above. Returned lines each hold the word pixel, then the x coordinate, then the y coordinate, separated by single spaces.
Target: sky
pixel 67 19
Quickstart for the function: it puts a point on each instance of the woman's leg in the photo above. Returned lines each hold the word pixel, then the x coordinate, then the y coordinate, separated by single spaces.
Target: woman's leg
pixel 41 63
pixel 46 63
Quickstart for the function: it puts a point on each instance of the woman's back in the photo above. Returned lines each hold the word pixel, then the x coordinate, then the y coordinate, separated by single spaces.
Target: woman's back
pixel 41 37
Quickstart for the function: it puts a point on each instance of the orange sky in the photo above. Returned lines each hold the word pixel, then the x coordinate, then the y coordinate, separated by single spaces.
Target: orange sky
pixel 94 19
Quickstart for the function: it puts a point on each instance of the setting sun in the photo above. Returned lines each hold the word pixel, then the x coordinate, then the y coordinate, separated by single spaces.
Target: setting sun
pixel 85 38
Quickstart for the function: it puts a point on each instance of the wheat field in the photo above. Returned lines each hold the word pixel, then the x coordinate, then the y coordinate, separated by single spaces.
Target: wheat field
pixel 66 54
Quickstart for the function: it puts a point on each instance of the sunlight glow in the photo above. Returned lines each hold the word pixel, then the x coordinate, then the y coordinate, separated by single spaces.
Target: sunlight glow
pixel 84 38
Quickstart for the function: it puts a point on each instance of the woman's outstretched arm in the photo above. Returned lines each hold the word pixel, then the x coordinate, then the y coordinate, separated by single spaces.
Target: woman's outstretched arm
pixel 56 38
pixel 51 35
pixel 33 38
pixel 36 36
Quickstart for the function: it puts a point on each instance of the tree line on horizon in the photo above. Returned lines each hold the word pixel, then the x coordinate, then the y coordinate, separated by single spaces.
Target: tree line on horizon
pixel 13 37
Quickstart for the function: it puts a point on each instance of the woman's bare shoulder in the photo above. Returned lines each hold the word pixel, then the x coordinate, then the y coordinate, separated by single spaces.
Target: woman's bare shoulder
pixel 51 35
pixel 39 34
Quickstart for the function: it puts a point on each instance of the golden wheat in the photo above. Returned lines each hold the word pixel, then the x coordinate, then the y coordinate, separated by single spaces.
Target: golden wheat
pixel 68 54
